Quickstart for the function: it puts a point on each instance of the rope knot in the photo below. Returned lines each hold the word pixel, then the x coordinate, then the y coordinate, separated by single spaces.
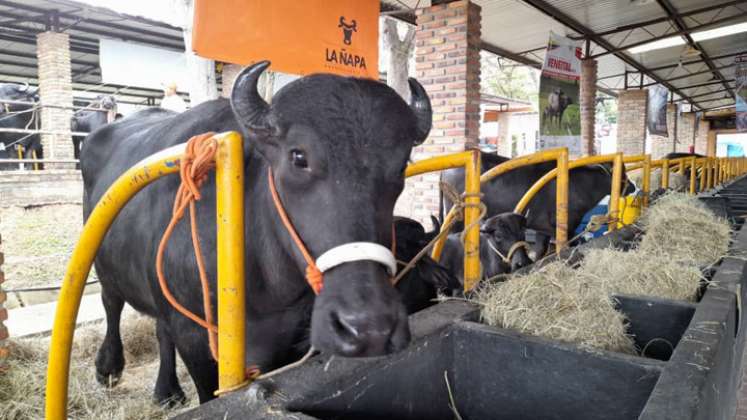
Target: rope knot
pixel 315 278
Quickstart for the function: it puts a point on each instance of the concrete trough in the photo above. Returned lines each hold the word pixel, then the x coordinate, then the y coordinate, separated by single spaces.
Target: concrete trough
pixel 691 367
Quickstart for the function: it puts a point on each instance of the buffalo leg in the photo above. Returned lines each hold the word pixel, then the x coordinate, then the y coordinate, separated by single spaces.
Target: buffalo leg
pixel 541 243
pixel 167 391
pixel 110 358
pixel 192 344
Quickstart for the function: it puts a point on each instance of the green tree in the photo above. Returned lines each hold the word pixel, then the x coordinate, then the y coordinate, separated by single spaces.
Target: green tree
pixel 507 78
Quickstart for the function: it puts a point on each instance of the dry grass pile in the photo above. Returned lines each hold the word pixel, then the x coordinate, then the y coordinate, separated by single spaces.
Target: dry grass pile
pixel 636 273
pixel 554 302
pixel 574 305
pixel 22 384
pixel 683 230
pixel 37 243
pixel 678 182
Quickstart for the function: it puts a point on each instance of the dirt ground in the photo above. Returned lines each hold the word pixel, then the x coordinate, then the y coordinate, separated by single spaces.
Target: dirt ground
pixel 37 243
pixel 22 384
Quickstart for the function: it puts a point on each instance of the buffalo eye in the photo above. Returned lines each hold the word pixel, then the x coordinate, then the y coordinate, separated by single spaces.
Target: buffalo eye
pixel 298 158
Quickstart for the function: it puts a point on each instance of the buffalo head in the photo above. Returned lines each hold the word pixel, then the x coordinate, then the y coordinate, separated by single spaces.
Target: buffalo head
pixel 11 92
pixel 505 234
pixel 338 148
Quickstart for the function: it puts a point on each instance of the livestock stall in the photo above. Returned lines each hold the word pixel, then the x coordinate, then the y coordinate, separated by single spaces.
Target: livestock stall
pixel 468 367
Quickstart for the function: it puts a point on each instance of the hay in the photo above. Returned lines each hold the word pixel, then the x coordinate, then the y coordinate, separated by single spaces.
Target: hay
pixel 37 243
pixel 637 273
pixel 554 302
pixel 574 305
pixel 22 384
pixel 682 229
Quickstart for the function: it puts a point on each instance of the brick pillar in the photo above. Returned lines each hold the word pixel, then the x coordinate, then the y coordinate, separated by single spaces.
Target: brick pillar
pixel 3 316
pixel 447 56
pixel 686 126
pixel 588 96
pixel 662 145
pixel 230 71
pixel 55 88
pixel 701 138
pixel 631 121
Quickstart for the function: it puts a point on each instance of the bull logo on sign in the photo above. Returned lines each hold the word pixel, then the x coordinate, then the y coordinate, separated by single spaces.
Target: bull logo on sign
pixel 347 30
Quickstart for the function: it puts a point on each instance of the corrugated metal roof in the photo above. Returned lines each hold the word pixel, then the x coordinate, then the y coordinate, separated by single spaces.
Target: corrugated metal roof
pixel 522 27
pixel 85 24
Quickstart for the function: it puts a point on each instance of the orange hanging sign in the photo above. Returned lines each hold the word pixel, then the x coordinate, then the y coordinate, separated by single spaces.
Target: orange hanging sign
pixel 299 37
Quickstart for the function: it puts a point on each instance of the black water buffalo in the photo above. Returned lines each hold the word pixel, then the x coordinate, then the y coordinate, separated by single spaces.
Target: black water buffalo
pixel 421 285
pixel 338 148
pixel 18 116
pixel 498 235
pixel 557 102
pixel 98 112
pixel 588 185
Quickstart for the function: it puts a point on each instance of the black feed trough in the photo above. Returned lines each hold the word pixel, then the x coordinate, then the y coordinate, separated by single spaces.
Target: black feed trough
pixel 690 369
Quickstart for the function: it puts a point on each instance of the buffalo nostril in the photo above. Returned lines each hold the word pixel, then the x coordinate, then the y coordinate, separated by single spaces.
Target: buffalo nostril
pixel 343 327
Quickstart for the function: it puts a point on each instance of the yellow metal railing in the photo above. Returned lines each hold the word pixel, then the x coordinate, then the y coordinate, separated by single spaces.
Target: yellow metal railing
pixel 559 155
pixel 231 286
pixel 641 161
pixel 615 192
pixel 470 161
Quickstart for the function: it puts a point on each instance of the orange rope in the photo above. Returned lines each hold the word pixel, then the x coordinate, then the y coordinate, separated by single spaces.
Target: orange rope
pixel 198 160
pixel 314 276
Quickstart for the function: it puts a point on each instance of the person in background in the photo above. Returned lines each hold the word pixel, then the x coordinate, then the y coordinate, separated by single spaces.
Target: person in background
pixel 171 100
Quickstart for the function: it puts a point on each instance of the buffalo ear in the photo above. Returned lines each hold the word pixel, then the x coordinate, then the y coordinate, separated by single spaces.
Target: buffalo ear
pixel 420 104
pixel 250 109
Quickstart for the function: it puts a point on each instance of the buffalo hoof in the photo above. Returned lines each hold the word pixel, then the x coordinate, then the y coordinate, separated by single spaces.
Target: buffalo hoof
pixel 170 399
pixel 108 380
pixel 109 367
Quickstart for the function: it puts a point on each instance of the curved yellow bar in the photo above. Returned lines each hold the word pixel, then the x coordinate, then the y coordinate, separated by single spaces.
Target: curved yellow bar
pixel 559 154
pixel 98 223
pixel 615 158
pixel 470 161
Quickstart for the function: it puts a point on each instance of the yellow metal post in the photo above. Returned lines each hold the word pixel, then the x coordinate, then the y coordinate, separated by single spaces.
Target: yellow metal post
pixel 709 173
pixel 229 179
pixel 681 166
pixel 693 174
pixel 98 223
pixel 561 199
pixel 646 179
pixel 614 204
pixel 703 163
pixel 96 226
pixel 470 161
pixel 471 215
pixel 665 173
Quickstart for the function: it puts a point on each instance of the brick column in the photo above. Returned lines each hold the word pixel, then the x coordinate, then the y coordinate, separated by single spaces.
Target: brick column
pixel 3 316
pixel 55 88
pixel 662 145
pixel 701 138
pixel 686 126
pixel 588 105
pixel 230 71
pixel 447 56
pixel 631 121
